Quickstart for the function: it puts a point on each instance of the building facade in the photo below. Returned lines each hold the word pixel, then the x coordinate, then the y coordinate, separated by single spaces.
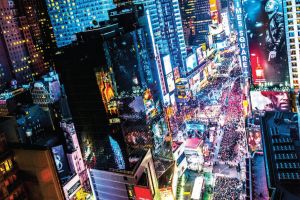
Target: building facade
pixel 292 28
pixel 196 17
pixel 71 17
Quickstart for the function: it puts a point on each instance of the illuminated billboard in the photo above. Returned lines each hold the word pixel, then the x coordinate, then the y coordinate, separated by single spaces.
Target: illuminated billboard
pixel 137 136
pixel 149 104
pixel 191 62
pixel 132 108
pixel 167 64
pixel 60 161
pixel 200 56
pixel 270 101
pixel 266 37
pixel 170 82
pixel 142 193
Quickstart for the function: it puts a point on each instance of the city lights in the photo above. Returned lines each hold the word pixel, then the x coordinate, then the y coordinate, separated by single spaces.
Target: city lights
pixel 149 99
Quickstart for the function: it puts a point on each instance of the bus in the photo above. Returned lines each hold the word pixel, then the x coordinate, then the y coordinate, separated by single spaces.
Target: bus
pixel 198 188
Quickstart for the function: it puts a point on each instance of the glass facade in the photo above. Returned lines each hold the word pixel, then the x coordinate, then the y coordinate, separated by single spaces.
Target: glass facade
pixel 69 17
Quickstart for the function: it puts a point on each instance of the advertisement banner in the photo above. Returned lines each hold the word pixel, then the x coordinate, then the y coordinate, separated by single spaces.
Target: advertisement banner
pixel 266 38
pixel 270 101
pixel 60 161
pixel 142 193
pixel 200 56
pixel 191 62
pixel 167 64
pixel 170 82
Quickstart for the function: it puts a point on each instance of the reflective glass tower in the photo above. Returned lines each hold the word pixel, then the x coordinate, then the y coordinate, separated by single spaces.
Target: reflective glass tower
pixel 69 17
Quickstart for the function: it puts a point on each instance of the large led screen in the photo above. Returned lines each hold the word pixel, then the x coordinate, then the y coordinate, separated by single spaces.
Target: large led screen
pixel 167 64
pixel 191 62
pixel 266 37
pixel 270 101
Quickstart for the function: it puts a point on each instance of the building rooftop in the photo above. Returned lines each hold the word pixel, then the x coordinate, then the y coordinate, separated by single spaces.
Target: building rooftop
pixel 280 136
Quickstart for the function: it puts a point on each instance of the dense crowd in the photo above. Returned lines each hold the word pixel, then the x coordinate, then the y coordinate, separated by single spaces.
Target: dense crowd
pixel 227 188
pixel 229 141
pixel 233 112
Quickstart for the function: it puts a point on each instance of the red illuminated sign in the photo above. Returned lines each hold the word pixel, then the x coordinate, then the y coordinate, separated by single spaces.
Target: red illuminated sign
pixel 142 193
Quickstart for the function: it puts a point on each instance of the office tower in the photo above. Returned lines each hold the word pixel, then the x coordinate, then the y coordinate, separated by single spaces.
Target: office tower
pixel 22 52
pixel 172 32
pixel 115 101
pixel 11 183
pixel 71 17
pixel 280 149
pixel 35 12
pixel 292 28
pixel 15 38
pixel 166 25
pixel 196 17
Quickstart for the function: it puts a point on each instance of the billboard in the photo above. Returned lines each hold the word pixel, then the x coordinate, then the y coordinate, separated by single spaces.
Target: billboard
pixel 167 64
pixel 200 56
pixel 170 82
pixel 266 37
pixel 149 104
pixel 191 62
pixel 142 193
pixel 132 108
pixel 60 161
pixel 270 101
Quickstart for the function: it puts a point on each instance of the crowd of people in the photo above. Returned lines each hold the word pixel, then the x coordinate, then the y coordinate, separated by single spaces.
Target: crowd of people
pixel 231 137
pixel 227 188
pixel 232 131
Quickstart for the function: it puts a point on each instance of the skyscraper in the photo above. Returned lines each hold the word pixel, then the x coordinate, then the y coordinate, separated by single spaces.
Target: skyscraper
pixel 15 39
pixel 41 30
pixel 71 17
pixel 172 32
pixel 25 40
pixel 116 103
pixel 196 16
pixel 292 28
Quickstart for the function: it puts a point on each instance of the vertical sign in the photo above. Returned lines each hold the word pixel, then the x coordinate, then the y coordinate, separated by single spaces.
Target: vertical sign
pixel 242 41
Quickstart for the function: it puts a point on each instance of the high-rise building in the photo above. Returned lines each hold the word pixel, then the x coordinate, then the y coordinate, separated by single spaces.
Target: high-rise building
pixel 35 12
pixel 25 41
pixel 281 149
pixel 71 17
pixel 166 25
pixel 292 28
pixel 196 17
pixel 121 92
pixel 15 38
pixel 173 32
pixel 116 102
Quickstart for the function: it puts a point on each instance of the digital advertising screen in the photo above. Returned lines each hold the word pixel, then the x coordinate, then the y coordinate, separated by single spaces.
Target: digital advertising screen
pixel 142 193
pixel 170 82
pixel 149 104
pixel 266 38
pixel 200 56
pixel 132 108
pixel 167 64
pixel 270 101
pixel 60 161
pixel 137 136
pixel 191 62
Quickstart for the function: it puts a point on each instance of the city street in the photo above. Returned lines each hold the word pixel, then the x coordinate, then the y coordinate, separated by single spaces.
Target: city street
pixel 220 106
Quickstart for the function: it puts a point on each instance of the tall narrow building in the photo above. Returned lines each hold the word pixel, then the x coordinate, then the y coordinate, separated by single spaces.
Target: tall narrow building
pixel 26 40
pixel 292 28
pixel 15 40
pixel 196 17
